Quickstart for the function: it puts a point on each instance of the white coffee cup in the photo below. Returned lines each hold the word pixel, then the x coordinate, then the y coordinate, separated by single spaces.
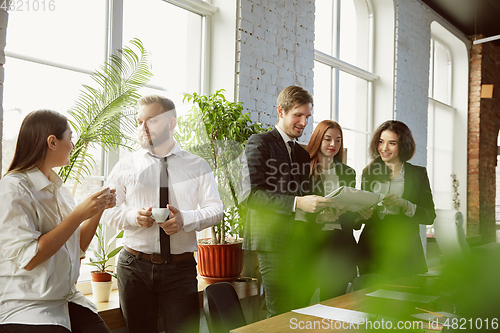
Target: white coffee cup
pixel 95 190
pixel 160 214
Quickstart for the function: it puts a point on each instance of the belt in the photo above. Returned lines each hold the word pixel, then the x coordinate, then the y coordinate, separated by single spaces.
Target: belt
pixel 157 259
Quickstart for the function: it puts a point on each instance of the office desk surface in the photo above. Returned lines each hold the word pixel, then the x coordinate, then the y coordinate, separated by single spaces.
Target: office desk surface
pixel 289 322
pixel 111 314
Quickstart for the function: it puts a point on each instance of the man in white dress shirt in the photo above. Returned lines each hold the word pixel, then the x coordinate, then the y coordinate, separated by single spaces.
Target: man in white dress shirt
pixel 147 282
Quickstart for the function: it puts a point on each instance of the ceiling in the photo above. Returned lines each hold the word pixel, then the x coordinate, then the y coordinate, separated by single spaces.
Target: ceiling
pixel 470 16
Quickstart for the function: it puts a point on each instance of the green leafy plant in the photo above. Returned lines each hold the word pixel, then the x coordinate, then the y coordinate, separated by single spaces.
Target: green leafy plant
pixel 104 115
pixel 104 251
pixel 217 130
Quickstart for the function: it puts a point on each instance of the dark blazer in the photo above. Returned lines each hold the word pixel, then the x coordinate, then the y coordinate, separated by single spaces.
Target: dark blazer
pixel 270 218
pixel 392 245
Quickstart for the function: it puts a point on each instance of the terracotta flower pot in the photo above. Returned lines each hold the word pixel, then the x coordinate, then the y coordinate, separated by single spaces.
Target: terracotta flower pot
pixel 220 262
pixel 101 286
pixel 100 276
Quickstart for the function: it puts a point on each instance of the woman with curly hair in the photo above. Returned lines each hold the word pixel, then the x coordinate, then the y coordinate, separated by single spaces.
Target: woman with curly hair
pixel 390 241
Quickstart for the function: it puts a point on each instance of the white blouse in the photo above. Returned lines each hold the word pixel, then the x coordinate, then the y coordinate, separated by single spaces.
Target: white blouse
pixel 32 205
pixel 331 182
pixel 397 187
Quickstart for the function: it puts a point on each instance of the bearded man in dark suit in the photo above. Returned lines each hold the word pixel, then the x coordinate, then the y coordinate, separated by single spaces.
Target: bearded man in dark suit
pixel 279 203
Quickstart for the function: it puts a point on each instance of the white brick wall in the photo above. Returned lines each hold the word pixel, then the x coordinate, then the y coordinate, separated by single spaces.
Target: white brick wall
pixel 412 70
pixel 276 50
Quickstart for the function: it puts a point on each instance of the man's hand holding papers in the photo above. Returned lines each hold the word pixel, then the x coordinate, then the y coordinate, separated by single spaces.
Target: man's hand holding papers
pixel 330 214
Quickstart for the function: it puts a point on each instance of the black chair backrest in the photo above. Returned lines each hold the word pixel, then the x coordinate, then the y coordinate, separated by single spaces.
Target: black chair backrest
pixel 222 308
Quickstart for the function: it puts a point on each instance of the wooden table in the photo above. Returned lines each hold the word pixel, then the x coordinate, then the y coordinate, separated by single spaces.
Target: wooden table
pixel 111 314
pixel 291 321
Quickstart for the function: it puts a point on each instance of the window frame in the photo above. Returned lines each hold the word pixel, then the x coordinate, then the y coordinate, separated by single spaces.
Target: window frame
pixel 113 38
pixel 115 25
pixel 457 104
pixel 336 65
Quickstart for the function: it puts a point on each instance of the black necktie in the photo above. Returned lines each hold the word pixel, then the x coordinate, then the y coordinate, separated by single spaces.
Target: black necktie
pixel 293 153
pixel 294 166
pixel 164 238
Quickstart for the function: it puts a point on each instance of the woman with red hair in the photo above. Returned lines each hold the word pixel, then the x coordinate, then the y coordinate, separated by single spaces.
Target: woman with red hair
pixel 337 247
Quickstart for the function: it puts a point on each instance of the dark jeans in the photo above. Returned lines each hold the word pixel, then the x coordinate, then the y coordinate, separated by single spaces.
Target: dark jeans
pixel 145 288
pixel 82 320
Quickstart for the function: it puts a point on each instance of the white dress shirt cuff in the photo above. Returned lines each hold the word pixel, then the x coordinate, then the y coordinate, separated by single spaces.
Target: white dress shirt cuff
pixel 29 252
pixel 410 212
pixel 294 204
pixel 300 215
pixel 188 219
pixel 131 214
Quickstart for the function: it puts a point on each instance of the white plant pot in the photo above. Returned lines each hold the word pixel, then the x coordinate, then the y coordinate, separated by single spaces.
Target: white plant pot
pixel 101 291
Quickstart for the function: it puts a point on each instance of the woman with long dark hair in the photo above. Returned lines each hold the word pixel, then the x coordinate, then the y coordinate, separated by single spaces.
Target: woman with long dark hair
pixel 338 255
pixel 390 240
pixel 43 234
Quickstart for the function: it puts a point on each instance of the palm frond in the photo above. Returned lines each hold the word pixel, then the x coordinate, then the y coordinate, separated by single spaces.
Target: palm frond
pixel 104 114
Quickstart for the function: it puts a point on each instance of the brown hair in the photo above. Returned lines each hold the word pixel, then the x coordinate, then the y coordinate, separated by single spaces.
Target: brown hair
pixel 314 145
pixel 293 95
pixel 406 143
pixel 166 104
pixel 31 146
pixel 377 170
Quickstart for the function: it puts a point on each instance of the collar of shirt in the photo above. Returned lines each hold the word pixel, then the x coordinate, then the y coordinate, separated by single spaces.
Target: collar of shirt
pixel 176 150
pixel 332 168
pixel 54 182
pixel 285 137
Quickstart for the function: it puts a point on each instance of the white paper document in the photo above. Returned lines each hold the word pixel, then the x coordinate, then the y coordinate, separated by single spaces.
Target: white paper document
pixel 333 313
pixel 353 198
pixel 401 296
pixel 428 317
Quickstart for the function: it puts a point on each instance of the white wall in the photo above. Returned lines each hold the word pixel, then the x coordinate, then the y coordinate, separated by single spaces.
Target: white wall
pixel 413 33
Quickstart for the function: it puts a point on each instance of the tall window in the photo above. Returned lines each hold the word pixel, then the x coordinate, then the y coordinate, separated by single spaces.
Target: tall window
pixel 50 54
pixel 342 72
pixel 440 141
pixel 447 118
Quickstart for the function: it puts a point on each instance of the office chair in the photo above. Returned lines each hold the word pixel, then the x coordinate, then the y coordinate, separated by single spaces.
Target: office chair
pixel 450 234
pixel 222 308
pixel 365 281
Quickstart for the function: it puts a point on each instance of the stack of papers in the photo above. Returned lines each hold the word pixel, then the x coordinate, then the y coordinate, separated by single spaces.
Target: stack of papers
pixel 332 313
pixel 401 296
pixel 353 198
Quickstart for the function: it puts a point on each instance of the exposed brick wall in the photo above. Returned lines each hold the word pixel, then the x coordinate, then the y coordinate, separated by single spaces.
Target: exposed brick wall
pixel 484 124
pixel 275 50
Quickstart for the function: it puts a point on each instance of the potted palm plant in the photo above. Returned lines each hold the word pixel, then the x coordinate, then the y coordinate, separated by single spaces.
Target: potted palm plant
pixel 217 130
pixel 104 115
